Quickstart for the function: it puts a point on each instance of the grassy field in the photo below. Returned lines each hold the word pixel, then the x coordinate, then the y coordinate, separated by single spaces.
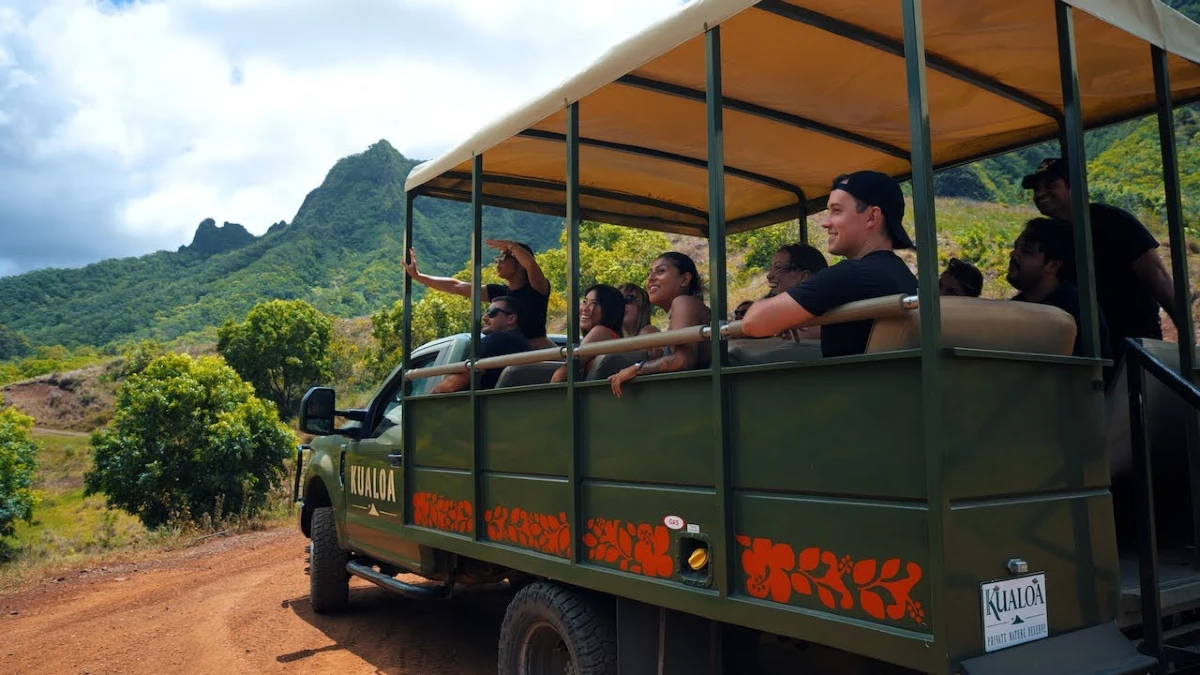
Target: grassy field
pixel 71 530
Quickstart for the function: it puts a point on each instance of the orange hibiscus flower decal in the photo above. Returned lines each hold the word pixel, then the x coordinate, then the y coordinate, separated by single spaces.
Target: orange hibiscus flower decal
pixel 439 513
pixel 640 549
pixel 538 531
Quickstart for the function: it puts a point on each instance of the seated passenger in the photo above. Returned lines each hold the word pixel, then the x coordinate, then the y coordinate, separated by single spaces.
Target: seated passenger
pixel 1040 265
pixel 637 315
pixel 501 331
pixel 739 312
pixel 960 279
pixel 865 226
pixel 600 315
pixel 792 264
pixel 674 285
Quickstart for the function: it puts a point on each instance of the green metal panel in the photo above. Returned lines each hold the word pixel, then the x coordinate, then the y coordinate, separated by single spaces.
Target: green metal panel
pixel 625 529
pixel 450 484
pixel 848 558
pixel 527 512
pixel 1069 537
pixel 526 432
pixel 1014 427
pixel 659 431
pixel 850 430
pixel 440 432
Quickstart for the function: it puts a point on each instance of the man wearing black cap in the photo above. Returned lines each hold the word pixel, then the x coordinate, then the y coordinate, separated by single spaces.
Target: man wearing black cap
pixel 1131 280
pixel 864 222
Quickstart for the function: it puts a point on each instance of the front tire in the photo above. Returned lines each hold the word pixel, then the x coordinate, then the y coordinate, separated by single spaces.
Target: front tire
pixel 551 629
pixel 329 582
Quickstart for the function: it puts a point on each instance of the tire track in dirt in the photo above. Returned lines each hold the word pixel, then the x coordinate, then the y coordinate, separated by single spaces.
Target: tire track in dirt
pixel 237 605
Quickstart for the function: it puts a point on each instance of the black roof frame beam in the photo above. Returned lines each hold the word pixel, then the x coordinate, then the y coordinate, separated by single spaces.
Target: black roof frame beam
pixel 583 189
pixel 666 156
pixel 766 113
pixel 896 48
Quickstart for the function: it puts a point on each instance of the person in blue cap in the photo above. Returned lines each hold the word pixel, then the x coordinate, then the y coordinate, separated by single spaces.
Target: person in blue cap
pixel 865 226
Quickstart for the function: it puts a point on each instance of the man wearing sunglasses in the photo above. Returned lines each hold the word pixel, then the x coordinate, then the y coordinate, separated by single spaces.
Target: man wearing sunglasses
pixel 523 279
pixel 501 335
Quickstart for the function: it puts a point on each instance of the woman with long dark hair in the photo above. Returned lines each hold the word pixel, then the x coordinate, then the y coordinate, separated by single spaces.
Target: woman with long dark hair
pixel 601 312
pixel 674 285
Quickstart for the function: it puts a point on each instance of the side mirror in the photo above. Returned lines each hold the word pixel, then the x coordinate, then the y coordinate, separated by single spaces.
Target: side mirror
pixel 317 411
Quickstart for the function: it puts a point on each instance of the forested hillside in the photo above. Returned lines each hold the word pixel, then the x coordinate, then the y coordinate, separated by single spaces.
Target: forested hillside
pixel 341 252
pixel 342 249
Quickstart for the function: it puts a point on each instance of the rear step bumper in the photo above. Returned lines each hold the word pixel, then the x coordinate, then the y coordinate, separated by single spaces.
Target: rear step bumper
pixel 1099 650
pixel 369 573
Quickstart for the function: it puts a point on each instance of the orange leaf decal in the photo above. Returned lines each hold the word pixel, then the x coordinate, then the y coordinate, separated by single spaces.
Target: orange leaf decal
pixel 883 592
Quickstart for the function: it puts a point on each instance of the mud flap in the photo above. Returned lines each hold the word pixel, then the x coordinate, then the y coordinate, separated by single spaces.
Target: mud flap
pixel 1099 650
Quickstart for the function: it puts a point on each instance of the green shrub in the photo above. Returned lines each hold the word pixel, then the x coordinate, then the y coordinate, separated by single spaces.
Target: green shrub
pixel 188 438
pixel 18 463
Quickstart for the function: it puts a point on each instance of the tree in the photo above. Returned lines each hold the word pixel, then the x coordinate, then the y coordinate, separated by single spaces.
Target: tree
pixel 188 438
pixel 13 345
pixel 282 348
pixel 18 462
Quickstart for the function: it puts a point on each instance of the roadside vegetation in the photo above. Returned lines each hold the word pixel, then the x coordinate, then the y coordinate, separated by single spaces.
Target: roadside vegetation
pixel 113 446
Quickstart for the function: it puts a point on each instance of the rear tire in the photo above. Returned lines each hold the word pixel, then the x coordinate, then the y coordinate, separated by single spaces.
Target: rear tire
pixel 550 629
pixel 329 582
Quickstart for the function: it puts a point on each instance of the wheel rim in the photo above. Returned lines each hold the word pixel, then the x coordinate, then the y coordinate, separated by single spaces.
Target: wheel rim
pixel 544 652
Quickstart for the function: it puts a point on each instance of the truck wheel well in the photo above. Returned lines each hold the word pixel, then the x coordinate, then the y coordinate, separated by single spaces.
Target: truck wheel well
pixel 315 496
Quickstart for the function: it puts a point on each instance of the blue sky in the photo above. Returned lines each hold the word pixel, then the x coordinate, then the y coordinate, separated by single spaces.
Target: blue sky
pixel 124 123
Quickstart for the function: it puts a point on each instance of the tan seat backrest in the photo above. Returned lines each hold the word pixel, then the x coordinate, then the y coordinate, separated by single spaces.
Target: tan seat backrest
pixel 531 373
pixel 748 351
pixel 977 323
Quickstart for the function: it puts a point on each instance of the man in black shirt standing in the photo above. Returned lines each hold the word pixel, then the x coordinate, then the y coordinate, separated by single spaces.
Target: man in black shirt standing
pixel 864 223
pixel 501 335
pixel 524 279
pixel 1042 267
pixel 1131 280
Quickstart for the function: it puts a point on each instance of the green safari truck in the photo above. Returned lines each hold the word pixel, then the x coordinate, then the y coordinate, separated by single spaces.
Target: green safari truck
pixel 968 496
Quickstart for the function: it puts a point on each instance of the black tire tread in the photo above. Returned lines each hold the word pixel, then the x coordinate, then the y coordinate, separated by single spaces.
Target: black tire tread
pixel 329 582
pixel 587 627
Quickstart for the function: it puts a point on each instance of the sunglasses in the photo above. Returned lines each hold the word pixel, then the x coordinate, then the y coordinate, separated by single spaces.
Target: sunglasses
pixel 493 311
pixel 501 258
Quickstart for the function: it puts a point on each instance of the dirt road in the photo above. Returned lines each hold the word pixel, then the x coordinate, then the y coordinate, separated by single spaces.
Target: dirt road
pixel 237 605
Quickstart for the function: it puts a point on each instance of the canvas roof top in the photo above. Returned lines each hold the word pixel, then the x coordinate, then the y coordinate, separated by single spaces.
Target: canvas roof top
pixel 813 88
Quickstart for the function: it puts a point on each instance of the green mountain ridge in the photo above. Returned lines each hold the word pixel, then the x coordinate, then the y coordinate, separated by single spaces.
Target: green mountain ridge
pixel 341 252
pixel 343 248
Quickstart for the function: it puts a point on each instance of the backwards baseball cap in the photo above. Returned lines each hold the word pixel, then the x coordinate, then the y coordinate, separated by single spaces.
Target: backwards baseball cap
pixel 879 189
pixel 1051 168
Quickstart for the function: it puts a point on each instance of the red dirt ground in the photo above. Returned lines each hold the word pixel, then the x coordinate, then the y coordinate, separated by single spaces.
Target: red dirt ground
pixel 237 605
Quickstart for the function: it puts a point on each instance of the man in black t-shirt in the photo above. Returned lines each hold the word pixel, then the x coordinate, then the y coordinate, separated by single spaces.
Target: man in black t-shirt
pixel 864 223
pixel 523 278
pixel 1131 280
pixel 501 335
pixel 1042 267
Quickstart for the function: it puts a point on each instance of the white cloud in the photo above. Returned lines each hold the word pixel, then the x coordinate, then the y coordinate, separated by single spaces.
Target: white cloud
pixel 123 127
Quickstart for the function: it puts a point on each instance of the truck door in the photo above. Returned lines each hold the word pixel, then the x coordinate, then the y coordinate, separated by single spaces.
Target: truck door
pixel 374 477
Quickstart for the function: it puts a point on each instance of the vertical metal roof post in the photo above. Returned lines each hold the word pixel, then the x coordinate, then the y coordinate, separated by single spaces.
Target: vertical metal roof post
pixel 1076 158
pixel 714 104
pixel 802 221
pixel 476 296
pixel 1179 266
pixel 573 337
pixel 930 307
pixel 406 348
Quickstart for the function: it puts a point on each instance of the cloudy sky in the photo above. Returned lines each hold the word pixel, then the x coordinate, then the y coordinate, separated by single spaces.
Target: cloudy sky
pixel 124 124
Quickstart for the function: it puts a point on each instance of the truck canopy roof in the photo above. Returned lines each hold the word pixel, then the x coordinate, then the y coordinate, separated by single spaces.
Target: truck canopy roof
pixel 813 89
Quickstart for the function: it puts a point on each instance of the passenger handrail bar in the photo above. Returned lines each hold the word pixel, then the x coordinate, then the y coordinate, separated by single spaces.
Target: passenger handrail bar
pixel 859 310
pixel 1138 362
